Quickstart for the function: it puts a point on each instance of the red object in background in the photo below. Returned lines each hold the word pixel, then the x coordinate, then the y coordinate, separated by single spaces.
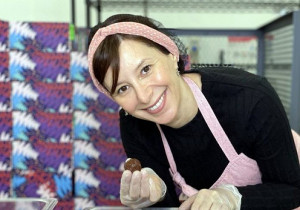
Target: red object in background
pixel 241 38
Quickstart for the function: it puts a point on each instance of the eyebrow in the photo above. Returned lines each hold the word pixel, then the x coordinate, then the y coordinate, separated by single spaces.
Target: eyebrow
pixel 140 64
pixel 136 68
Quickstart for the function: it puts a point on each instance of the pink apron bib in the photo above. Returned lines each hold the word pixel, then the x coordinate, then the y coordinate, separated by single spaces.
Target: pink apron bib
pixel 240 171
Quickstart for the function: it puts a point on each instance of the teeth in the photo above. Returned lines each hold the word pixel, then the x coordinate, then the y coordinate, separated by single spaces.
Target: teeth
pixel 157 104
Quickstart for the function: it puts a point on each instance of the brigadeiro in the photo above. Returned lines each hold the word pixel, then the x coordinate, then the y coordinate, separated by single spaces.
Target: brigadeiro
pixel 133 165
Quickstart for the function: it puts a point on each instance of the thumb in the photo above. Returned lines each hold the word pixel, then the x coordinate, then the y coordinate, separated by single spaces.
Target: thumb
pixel 188 203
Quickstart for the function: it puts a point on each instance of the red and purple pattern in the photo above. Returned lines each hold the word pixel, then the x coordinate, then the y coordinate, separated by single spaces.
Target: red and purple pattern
pixel 5 94
pixel 59 137
pixel 51 67
pixel 33 183
pixel 5 180
pixel 39 66
pixel 52 97
pixel 5 126
pixel 45 156
pixel 54 127
pixel 4 65
pixel 39 36
pixel 5 155
pixel 4 27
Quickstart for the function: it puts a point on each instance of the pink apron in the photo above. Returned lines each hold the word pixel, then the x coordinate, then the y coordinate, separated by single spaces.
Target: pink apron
pixel 240 171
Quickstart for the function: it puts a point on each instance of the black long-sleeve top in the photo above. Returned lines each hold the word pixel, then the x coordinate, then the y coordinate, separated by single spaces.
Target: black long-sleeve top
pixel 254 120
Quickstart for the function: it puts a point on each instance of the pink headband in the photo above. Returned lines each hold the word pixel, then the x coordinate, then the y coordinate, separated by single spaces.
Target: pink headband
pixel 131 28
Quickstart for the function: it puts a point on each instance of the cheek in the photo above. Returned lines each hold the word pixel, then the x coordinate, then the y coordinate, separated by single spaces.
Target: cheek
pixel 162 74
pixel 128 103
pixel 165 76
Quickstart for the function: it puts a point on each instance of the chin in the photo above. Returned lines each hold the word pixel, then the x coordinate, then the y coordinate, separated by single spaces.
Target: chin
pixel 164 121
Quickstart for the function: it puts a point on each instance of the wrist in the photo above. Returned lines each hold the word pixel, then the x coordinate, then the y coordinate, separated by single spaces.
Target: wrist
pixel 235 195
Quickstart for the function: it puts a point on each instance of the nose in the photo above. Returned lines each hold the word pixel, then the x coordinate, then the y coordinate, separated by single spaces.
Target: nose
pixel 143 93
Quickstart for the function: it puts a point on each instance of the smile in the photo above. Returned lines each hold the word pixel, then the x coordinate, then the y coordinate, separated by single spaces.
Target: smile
pixel 158 106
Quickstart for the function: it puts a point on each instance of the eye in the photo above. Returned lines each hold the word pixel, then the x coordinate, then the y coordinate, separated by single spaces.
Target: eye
pixel 122 89
pixel 146 69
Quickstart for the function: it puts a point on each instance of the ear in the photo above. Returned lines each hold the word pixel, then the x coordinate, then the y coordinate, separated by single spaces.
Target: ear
pixel 174 59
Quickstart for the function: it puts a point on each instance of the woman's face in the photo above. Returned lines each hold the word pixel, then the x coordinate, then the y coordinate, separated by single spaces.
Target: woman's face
pixel 148 86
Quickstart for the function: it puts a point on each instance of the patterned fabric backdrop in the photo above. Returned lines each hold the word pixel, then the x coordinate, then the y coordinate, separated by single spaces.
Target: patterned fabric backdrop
pixel 59 137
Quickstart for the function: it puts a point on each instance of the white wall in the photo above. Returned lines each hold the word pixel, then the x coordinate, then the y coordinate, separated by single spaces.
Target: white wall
pixel 60 11
pixel 43 10
pixel 35 10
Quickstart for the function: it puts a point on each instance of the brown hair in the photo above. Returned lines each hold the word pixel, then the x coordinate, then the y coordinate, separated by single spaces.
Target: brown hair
pixel 107 53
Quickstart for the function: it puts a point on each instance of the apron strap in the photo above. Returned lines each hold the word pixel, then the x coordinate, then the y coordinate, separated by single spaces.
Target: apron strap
pixel 177 178
pixel 212 121
pixel 214 126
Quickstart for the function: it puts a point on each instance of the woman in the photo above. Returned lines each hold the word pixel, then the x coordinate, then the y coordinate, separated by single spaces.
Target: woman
pixel 222 132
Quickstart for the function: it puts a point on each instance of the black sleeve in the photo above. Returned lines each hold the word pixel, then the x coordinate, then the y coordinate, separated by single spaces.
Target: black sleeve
pixel 275 153
pixel 135 148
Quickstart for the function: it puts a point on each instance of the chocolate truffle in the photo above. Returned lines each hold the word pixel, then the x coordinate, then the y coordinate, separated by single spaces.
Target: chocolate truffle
pixel 133 165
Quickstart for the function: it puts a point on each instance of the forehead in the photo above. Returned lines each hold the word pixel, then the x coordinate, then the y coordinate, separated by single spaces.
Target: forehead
pixel 130 51
pixel 129 45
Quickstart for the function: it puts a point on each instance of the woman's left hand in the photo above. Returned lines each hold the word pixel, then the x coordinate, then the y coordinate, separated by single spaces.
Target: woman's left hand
pixel 216 198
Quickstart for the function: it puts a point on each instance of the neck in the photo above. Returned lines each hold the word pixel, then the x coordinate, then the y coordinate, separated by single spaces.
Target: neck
pixel 188 107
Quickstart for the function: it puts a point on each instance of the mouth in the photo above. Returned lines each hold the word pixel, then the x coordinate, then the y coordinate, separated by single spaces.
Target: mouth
pixel 158 106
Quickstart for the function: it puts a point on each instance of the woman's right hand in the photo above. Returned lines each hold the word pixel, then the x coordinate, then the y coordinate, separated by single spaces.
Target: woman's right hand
pixel 141 188
pixel 225 197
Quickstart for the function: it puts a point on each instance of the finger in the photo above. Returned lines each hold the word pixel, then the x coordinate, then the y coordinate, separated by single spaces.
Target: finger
pixel 125 183
pixel 198 204
pixel 202 206
pixel 188 203
pixel 135 185
pixel 202 201
pixel 217 206
pixel 224 207
pixel 155 188
pixel 145 185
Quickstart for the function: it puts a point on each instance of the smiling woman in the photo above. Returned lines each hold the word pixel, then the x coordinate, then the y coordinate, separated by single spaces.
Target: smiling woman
pixel 185 122
pixel 146 77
